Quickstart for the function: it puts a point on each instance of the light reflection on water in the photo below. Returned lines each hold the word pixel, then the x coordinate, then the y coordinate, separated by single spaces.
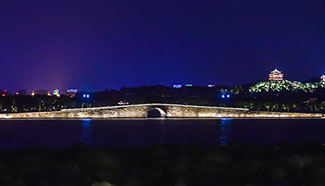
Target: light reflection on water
pixel 86 131
pixel 225 134
pixel 225 131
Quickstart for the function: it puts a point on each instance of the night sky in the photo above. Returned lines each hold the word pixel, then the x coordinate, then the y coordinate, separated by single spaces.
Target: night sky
pixel 93 45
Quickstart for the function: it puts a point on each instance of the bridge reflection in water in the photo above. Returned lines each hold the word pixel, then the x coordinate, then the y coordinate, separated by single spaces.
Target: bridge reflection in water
pixel 225 131
pixel 86 131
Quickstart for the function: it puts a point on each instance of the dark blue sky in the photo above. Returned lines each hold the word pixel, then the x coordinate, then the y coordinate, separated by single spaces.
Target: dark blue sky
pixel 114 43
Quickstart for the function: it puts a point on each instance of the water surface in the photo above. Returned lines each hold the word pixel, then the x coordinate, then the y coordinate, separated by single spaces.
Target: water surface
pixel 61 133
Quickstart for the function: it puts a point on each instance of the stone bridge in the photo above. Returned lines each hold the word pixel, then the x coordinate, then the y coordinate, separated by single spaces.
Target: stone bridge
pixel 156 110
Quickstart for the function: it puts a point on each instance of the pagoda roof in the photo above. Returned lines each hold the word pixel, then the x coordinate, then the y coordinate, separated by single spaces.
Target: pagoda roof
pixel 276 71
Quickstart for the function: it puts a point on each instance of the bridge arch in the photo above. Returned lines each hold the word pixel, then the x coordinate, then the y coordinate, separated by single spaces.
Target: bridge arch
pixel 156 112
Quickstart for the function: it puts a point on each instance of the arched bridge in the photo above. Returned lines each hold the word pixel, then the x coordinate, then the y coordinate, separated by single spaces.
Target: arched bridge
pixel 157 110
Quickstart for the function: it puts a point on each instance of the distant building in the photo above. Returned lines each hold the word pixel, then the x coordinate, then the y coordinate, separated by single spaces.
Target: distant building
pixel 56 92
pixel 74 91
pixel 4 93
pixel 123 102
pixel 177 86
pixel 276 75
pixel 21 92
pixel 40 92
pixel 322 78
pixel 71 92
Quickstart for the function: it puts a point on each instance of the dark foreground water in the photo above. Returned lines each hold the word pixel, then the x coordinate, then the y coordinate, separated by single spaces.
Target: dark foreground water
pixel 61 133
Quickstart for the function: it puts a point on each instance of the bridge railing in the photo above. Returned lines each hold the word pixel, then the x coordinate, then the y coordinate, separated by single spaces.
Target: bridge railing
pixel 154 104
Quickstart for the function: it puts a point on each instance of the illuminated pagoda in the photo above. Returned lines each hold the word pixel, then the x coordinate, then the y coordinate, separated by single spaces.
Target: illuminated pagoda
pixel 276 75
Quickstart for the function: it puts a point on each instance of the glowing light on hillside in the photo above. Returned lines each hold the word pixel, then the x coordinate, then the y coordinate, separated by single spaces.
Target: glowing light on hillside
pixel 225 96
pixel 322 77
pixel 86 96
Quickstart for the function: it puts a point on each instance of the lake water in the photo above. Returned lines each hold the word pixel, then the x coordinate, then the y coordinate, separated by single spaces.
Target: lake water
pixel 61 133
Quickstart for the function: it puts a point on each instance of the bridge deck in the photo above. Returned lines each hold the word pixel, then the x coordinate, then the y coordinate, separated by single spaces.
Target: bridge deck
pixel 166 110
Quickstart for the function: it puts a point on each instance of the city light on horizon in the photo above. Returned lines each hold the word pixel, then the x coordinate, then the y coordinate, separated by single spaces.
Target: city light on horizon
pixel 274 75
